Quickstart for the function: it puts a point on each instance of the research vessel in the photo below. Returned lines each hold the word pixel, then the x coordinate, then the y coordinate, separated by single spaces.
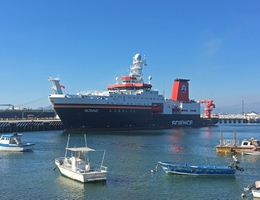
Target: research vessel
pixel 129 104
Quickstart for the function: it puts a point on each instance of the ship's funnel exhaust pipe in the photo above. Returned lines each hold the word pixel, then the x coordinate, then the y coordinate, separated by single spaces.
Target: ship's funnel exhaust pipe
pixel 180 90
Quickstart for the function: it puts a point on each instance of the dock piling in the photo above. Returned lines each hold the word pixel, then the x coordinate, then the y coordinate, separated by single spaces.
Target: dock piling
pixel 235 137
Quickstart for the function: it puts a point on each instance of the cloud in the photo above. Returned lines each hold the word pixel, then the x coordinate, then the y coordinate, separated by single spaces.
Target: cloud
pixel 212 46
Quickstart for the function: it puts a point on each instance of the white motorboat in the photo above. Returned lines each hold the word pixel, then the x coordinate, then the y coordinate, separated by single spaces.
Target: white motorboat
pixel 254 144
pixel 255 189
pixel 13 142
pixel 251 152
pixel 78 167
pixel 250 143
pixel 245 144
pixel 256 193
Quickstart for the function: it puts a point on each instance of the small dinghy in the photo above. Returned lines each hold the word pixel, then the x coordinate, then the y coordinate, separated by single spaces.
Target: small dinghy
pixel 255 189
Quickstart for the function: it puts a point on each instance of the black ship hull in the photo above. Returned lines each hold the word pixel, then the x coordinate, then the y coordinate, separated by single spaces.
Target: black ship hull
pixel 96 119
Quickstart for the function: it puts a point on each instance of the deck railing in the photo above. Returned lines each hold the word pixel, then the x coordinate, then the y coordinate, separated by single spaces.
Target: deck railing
pixel 229 142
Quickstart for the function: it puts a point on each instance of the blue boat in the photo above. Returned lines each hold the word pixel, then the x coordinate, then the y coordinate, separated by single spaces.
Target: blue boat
pixel 189 169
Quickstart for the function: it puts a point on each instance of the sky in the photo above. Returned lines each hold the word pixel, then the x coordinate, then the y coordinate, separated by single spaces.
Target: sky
pixel 88 43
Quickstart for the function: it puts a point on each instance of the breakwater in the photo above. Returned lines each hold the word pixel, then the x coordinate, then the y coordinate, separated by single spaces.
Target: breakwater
pixel 10 125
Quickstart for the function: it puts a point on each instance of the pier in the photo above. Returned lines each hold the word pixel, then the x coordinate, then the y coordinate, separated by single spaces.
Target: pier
pixel 26 125
pixel 238 119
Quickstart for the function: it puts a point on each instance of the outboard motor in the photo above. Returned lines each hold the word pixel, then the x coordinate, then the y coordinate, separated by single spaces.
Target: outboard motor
pixel 233 165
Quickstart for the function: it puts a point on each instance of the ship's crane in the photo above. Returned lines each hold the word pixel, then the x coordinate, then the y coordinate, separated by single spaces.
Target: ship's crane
pixel 208 108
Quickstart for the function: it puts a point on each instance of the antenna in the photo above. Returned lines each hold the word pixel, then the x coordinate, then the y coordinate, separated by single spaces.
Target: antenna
pixel 163 89
pixel 242 107
pixel 149 78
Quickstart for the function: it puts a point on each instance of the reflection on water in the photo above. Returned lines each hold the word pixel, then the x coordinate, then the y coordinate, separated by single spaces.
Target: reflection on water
pixel 68 184
pixel 176 149
pixel 71 189
pixel 250 158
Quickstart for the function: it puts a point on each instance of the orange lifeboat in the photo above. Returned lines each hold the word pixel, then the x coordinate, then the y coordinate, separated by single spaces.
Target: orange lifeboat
pixel 157 108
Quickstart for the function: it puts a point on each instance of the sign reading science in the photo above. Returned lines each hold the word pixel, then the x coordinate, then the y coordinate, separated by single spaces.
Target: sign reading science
pixel 182 122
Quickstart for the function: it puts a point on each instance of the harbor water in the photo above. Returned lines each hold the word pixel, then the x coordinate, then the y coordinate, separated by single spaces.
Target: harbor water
pixel 130 157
